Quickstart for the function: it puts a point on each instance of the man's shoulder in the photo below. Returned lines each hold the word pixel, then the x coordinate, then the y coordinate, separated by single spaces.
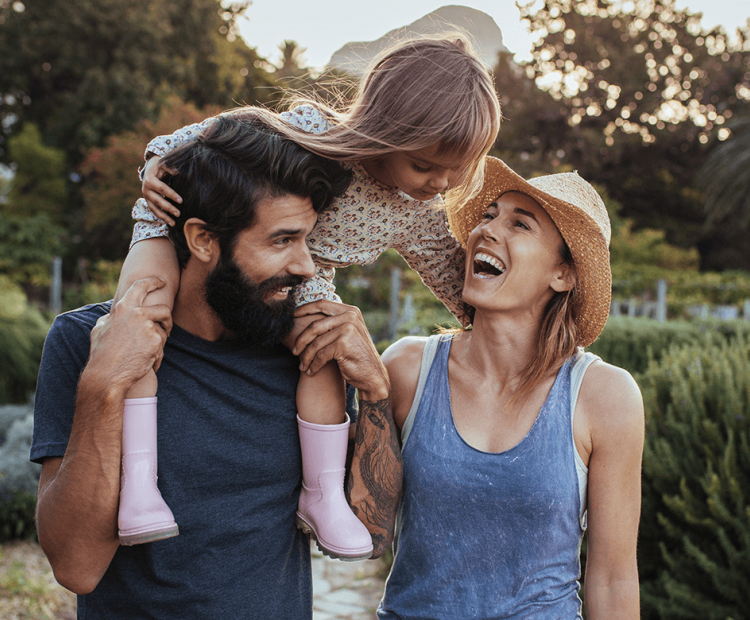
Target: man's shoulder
pixel 79 321
pixel 85 316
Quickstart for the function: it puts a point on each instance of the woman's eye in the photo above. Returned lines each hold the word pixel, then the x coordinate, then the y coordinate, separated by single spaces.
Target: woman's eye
pixel 523 225
pixel 488 216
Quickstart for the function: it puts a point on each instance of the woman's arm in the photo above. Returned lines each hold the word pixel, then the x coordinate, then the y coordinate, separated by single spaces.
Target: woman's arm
pixel 612 421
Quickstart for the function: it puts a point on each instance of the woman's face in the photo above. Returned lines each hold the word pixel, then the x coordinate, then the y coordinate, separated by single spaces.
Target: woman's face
pixel 513 260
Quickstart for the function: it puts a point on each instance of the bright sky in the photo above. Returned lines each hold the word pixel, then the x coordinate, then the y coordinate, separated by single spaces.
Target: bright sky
pixel 326 25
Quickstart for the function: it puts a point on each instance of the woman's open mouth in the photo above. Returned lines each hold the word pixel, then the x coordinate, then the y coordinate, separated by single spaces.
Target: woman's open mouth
pixel 486 266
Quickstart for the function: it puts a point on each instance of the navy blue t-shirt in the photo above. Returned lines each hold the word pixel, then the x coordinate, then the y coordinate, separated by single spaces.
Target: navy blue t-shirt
pixel 229 468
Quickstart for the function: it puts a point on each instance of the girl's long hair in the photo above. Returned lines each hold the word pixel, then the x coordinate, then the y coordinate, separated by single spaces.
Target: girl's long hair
pixel 417 93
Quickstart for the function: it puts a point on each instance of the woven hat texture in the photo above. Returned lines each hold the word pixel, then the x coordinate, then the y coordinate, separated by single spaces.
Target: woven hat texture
pixel 582 219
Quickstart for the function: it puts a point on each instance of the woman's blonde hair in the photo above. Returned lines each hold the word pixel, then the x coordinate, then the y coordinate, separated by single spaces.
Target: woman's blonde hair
pixel 417 93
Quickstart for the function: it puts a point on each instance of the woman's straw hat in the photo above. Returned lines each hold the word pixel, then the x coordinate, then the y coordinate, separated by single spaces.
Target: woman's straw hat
pixel 581 217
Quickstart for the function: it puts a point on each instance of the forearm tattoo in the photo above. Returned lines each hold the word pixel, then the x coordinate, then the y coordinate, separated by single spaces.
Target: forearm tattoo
pixel 375 480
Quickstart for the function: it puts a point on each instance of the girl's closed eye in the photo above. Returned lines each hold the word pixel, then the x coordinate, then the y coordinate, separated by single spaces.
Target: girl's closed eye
pixel 419 168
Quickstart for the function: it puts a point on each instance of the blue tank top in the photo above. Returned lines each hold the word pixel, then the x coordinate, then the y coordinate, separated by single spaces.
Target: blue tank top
pixel 487 535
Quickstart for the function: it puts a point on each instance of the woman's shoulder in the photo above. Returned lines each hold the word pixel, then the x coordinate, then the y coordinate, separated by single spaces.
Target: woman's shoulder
pixel 403 360
pixel 405 351
pixel 610 397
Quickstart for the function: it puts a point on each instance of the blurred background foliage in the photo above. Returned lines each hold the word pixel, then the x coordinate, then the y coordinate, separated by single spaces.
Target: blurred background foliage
pixel 636 95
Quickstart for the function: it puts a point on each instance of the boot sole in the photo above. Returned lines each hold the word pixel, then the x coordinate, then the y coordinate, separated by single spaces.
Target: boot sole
pixel 138 538
pixel 335 555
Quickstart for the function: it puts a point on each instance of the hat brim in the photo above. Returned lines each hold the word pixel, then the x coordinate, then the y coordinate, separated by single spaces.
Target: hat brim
pixel 581 233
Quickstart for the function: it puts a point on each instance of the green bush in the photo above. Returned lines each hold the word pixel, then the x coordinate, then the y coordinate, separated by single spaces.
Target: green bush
pixel 694 544
pixel 22 332
pixel 632 342
pixel 17 515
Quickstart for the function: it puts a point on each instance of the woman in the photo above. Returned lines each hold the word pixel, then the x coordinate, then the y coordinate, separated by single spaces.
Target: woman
pixel 513 438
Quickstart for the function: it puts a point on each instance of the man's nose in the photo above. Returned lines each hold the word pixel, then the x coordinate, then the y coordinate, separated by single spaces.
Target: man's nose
pixel 303 264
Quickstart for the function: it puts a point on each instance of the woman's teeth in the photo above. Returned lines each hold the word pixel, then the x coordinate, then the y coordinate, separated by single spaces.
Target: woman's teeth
pixel 487 266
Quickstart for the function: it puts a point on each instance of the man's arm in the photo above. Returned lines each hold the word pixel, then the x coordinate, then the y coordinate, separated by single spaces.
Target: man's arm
pixel 374 483
pixel 79 492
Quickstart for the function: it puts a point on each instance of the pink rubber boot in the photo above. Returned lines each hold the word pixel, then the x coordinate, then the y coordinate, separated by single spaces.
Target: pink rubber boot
pixel 323 510
pixel 144 515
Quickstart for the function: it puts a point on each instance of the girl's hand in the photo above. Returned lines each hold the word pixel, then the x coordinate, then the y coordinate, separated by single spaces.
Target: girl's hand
pixel 156 193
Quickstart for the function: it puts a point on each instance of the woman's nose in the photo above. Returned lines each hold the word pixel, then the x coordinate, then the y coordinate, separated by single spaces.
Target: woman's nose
pixel 491 231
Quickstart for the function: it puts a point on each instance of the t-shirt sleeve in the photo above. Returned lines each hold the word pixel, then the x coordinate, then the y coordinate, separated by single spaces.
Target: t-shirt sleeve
pixel 65 354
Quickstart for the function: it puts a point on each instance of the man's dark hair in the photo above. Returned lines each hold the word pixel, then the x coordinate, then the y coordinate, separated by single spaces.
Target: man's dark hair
pixel 234 164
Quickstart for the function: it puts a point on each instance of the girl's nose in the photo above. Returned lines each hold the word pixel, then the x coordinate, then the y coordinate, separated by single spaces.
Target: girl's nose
pixel 440 182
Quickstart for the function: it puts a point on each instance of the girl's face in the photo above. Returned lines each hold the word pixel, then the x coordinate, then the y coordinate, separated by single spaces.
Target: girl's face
pixel 513 258
pixel 422 174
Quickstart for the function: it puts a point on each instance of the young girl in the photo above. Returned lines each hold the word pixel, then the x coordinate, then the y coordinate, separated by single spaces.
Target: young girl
pixel 425 116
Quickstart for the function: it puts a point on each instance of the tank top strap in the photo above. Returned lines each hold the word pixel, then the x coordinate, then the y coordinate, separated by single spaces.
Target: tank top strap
pixel 428 356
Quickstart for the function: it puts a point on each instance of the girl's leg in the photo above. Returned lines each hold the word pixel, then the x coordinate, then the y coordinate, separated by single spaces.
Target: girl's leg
pixel 143 514
pixel 324 436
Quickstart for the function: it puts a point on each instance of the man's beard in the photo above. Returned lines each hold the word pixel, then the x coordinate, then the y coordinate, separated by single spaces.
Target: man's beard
pixel 239 303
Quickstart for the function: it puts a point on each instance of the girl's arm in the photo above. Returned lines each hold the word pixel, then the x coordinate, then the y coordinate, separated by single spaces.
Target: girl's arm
pixel 151 257
pixel 153 189
pixel 611 427
pixel 435 254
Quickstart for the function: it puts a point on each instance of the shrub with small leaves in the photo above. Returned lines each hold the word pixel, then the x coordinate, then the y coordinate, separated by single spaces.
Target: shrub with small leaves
pixel 17 515
pixel 694 547
pixel 632 343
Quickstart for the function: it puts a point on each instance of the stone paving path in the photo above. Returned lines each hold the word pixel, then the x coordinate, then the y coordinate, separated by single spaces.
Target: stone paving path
pixel 341 590
pixel 345 590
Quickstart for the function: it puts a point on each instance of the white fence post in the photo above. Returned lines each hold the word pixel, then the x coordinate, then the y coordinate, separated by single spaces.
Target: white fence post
pixel 395 290
pixel 661 300
pixel 55 291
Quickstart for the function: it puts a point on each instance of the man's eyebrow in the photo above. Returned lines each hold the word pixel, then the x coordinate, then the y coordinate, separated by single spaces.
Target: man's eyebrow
pixel 285 232
pixel 526 213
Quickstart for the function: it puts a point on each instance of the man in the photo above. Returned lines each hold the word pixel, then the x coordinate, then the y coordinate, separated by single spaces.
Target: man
pixel 229 459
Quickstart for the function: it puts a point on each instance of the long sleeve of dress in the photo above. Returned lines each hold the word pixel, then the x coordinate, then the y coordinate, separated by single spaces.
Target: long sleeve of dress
pixel 435 254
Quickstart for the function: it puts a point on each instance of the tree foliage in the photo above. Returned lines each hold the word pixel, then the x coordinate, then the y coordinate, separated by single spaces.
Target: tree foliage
pixel 38 186
pixel 83 70
pixel 111 184
pixel 725 177
pixel 635 93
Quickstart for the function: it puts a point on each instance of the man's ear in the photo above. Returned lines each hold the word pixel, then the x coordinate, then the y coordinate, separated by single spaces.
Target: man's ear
pixel 565 279
pixel 203 245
